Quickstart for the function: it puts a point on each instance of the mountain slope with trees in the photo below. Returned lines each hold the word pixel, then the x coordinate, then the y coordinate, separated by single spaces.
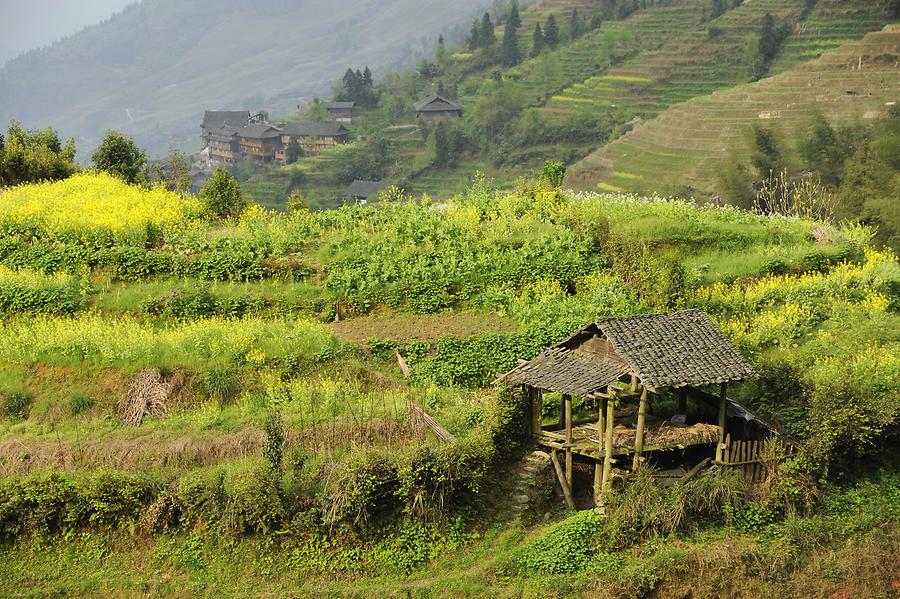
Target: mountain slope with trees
pixel 226 55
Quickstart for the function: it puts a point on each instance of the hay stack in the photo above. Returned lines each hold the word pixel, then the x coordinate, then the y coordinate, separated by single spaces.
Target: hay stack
pixel 147 395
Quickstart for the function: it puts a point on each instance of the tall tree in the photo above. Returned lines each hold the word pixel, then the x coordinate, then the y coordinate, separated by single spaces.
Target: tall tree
pixel 120 156
pixel 487 31
pixel 551 32
pixel 537 40
pixel 367 77
pixel 511 54
pixel 441 53
pixel 574 25
pixel 514 20
pixel 475 36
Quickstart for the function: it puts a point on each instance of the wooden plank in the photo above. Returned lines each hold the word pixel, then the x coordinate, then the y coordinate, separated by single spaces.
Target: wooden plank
pixel 567 491
pixel 723 403
pixel 694 471
pixel 608 446
pixel 567 404
pixel 537 410
pixel 639 434
pixel 417 412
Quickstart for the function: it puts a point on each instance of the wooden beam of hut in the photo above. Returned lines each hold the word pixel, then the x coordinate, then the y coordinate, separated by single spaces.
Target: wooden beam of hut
pixel 639 434
pixel 537 410
pixel 567 491
pixel 723 410
pixel 608 443
pixel 567 405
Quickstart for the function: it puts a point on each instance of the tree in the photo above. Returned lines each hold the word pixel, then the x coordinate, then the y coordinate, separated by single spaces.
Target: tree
pixel 120 156
pixel 221 196
pixel 367 79
pixel 514 20
pixel 487 31
pixel 441 53
pixel 551 32
pixel 822 151
pixel 293 152
pixel 575 25
pixel 475 35
pixel 174 171
pixel 28 155
pixel 718 8
pixel 511 54
pixel 316 111
pixel 537 40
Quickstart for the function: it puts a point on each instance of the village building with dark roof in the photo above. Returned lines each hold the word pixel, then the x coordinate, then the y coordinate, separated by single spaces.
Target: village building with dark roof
pixel 341 112
pixel 313 137
pixel 213 120
pixel 361 191
pixel 436 107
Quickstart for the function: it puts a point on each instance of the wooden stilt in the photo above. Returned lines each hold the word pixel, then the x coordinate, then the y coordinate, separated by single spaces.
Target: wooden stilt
pixel 723 410
pixel 567 403
pixel 608 447
pixel 639 435
pixel 562 411
pixel 537 411
pixel 567 491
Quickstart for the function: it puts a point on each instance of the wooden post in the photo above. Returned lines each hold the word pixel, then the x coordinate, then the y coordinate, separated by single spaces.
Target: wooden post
pixel 723 411
pixel 598 466
pixel 634 383
pixel 682 400
pixel 608 449
pixel 537 411
pixel 567 491
pixel 567 405
pixel 639 435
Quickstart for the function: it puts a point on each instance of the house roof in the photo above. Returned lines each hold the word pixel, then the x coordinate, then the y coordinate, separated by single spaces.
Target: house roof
pixel 365 189
pixel 339 105
pixel 437 103
pixel 677 350
pixel 258 131
pixel 328 129
pixel 213 119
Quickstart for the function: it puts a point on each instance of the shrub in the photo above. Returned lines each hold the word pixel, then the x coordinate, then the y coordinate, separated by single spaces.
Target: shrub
pixel 564 548
pixel 78 404
pixel 221 195
pixel 16 405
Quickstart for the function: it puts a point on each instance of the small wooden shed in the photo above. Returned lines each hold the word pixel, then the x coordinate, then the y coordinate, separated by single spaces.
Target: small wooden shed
pixel 636 358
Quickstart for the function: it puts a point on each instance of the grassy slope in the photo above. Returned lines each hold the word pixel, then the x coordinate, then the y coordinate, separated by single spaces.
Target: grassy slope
pixel 682 148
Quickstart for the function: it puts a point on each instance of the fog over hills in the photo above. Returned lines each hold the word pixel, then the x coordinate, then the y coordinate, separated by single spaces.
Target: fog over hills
pixel 153 68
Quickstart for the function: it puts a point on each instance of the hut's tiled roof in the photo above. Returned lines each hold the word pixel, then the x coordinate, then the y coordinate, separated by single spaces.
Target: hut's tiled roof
pixel 564 371
pixel 213 119
pixel 677 350
pixel 339 105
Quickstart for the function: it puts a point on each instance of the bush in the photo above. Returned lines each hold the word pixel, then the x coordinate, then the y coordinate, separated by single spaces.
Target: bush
pixel 221 195
pixel 80 403
pixel 564 548
pixel 15 406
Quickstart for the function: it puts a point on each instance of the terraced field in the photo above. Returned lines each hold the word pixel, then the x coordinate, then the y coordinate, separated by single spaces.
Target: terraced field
pixel 682 148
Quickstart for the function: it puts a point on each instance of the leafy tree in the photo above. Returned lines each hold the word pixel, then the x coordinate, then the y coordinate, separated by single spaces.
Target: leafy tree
pixel 316 111
pixel 293 152
pixel 174 171
pixel 553 173
pixel 514 20
pixel 28 155
pixel 736 183
pixel 441 53
pixel 822 151
pixel 551 32
pixel 764 47
pixel 221 196
pixel 487 35
pixel 120 156
pixel 766 156
pixel 537 40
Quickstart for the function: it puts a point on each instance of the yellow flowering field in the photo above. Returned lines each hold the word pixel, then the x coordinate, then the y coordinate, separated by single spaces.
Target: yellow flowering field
pixel 93 208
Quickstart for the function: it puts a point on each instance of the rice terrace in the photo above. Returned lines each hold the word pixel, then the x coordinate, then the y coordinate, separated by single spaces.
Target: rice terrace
pixel 563 298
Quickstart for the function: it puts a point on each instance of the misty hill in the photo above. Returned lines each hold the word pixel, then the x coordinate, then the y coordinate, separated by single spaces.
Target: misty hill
pixel 152 69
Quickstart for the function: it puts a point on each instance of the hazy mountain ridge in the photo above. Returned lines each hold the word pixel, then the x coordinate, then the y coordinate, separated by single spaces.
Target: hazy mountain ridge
pixel 118 75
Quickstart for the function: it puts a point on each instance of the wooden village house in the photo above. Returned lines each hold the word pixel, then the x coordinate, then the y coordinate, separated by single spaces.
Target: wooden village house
pixel 436 107
pixel 214 120
pixel 362 191
pixel 625 367
pixel 313 137
pixel 259 140
pixel 341 112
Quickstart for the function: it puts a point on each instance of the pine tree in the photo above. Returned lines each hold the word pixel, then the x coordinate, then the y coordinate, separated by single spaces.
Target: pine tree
pixel 441 54
pixel 537 40
pixel 514 20
pixel 487 31
pixel 511 54
pixel 475 36
pixel 574 25
pixel 367 77
pixel 551 32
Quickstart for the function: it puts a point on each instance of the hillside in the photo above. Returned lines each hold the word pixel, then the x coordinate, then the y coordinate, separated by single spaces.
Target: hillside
pixel 180 414
pixel 683 148
pixel 231 54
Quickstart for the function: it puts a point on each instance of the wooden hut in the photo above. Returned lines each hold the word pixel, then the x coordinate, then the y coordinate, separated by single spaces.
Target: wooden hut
pixel 341 112
pixel 436 107
pixel 313 137
pixel 617 361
